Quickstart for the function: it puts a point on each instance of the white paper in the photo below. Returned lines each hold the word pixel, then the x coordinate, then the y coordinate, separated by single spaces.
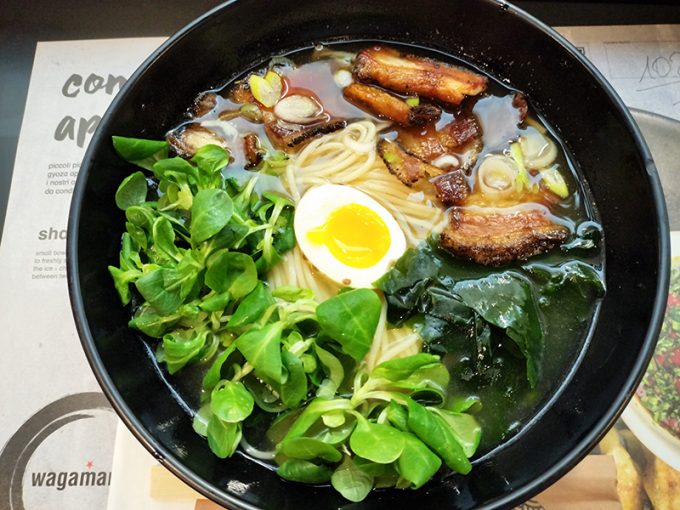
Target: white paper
pixel 42 361
pixel 642 62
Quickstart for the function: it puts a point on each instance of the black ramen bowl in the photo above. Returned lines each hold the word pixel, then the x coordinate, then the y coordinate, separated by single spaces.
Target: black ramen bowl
pixel 499 39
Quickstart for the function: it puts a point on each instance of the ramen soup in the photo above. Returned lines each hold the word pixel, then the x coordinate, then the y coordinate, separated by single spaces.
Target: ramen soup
pixel 364 265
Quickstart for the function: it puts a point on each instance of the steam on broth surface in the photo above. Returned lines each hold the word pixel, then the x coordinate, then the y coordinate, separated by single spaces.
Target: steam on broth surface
pixel 358 246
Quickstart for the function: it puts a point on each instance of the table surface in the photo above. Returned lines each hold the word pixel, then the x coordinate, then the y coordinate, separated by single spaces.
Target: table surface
pixel 22 26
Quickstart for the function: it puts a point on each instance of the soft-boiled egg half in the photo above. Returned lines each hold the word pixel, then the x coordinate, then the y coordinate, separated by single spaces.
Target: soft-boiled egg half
pixel 347 235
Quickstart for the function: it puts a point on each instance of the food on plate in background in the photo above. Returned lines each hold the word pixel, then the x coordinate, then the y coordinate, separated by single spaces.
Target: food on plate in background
pixel 659 392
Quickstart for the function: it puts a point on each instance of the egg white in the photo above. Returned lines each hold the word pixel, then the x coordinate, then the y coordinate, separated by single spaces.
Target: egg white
pixel 313 210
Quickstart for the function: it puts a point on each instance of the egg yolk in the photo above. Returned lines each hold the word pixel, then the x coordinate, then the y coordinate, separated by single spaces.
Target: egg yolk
pixel 355 234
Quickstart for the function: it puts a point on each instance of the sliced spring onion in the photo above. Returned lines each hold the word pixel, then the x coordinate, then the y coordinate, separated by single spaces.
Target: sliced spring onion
pixel 413 101
pixel 497 176
pixel 539 151
pixel 298 109
pixel 343 78
pixel 251 112
pixel 263 91
pixel 522 179
pixel 554 181
pixel 275 81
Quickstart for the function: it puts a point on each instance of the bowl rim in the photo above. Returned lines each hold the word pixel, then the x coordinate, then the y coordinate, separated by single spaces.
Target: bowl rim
pixel 554 472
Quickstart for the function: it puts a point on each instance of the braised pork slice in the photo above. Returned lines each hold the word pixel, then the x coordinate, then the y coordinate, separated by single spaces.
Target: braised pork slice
pixel 252 150
pixel 386 106
pixel 284 135
pixel 203 104
pixel 452 188
pixel 412 75
pixel 407 168
pixel 460 135
pixel 498 238
pixel 186 140
pixel 240 93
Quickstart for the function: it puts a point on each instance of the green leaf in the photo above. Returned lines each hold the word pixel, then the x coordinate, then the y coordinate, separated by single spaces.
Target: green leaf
pixel 149 322
pixel 122 280
pixel 177 351
pixel 215 302
pixel 307 448
pixel 201 418
pixel 437 436
pixel 175 171
pixel 164 239
pixel 402 368
pixel 297 470
pixel 351 318
pixel 223 437
pixel 211 159
pixel 464 428
pixel 231 402
pixel 210 212
pixel 313 411
pixel 132 191
pixel 152 287
pixel 397 416
pixel 377 442
pixel 292 294
pixel 333 369
pixel 141 152
pixel 353 483
pixel 506 301
pixel 214 373
pixel 336 435
pixel 417 463
pixel 262 349
pixel 405 284
pixel 252 307
pixel 231 272
pixel 294 390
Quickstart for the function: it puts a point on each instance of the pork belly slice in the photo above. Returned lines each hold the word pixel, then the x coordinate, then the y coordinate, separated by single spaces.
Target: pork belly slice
pixel 186 140
pixel 407 168
pixel 252 150
pixel 386 106
pixel 240 93
pixel 452 188
pixel 412 75
pixel 203 104
pixel 286 136
pixel 498 238
pixel 460 136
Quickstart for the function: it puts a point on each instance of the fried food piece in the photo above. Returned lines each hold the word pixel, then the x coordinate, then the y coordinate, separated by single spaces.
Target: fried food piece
pixel 252 150
pixel 452 188
pixel 203 104
pixel 386 106
pixel 662 484
pixel 240 93
pixel 186 140
pixel 628 479
pixel 284 135
pixel 408 169
pixel 459 132
pixel 412 75
pixel 424 144
pixel 461 135
pixel 494 239
pixel 520 103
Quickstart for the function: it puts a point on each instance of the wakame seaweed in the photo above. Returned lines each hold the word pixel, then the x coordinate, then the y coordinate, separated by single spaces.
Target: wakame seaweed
pixel 470 310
